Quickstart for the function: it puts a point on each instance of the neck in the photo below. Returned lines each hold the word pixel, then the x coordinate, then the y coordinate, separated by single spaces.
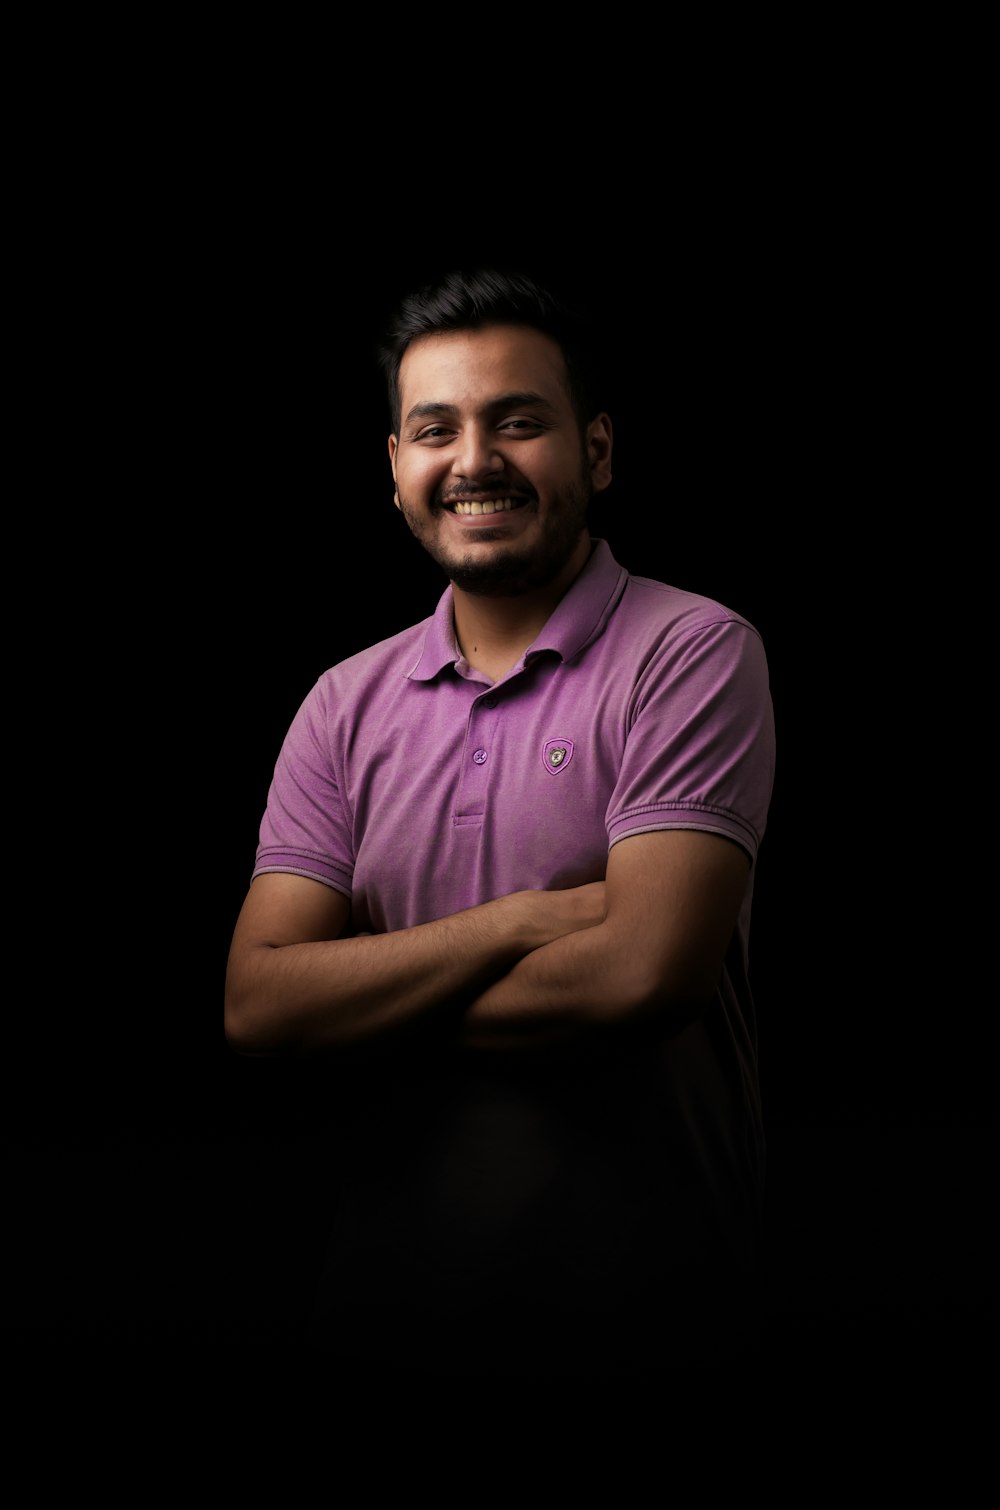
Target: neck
pixel 493 633
pixel 491 640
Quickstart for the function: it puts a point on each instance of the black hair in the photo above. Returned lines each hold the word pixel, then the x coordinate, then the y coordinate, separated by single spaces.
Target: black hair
pixel 468 300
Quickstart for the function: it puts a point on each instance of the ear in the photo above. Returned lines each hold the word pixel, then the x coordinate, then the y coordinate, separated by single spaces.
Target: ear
pixel 599 444
pixel 393 443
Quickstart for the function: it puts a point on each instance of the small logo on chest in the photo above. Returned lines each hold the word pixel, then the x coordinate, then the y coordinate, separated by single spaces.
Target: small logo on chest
pixel 557 755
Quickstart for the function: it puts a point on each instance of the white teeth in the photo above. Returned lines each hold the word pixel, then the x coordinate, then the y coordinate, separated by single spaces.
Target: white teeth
pixel 497 507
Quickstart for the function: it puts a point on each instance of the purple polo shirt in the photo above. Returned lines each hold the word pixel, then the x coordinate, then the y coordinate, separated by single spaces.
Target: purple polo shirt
pixel 417 788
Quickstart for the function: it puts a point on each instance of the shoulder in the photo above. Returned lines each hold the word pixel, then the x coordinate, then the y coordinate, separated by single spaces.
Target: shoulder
pixel 367 682
pixel 677 607
pixel 369 667
pixel 636 614
pixel 669 627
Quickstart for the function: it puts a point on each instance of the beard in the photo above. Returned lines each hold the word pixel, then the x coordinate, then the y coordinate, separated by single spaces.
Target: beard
pixel 511 568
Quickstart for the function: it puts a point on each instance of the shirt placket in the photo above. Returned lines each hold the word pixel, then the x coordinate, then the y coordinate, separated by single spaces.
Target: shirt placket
pixel 478 758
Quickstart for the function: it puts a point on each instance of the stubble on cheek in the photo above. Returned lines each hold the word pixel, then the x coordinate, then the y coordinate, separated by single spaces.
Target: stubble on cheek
pixel 511 567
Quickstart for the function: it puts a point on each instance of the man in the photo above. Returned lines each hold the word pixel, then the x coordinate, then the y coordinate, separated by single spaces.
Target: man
pixel 506 869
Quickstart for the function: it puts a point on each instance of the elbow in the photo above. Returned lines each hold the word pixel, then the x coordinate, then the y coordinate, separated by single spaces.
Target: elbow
pixel 240 1035
pixel 247 1028
pixel 237 1037
pixel 651 1005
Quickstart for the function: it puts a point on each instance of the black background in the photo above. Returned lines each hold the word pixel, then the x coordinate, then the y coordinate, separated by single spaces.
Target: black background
pixel 754 319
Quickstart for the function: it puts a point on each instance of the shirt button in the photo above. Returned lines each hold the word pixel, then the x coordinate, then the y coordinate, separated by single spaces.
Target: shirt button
pixel 489 702
pixel 480 757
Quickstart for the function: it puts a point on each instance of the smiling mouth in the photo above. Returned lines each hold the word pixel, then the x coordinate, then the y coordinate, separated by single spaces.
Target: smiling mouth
pixel 485 506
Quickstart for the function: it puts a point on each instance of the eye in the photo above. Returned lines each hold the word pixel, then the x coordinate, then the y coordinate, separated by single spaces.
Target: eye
pixel 522 426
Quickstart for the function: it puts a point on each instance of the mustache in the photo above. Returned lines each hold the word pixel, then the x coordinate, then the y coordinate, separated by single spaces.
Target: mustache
pixel 498 484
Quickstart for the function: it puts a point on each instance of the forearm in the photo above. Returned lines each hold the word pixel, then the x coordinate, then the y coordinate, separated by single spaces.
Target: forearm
pixel 577 992
pixel 647 967
pixel 355 992
pixel 561 994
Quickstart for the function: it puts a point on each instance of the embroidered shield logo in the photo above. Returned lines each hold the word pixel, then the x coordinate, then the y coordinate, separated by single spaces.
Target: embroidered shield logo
pixel 557 754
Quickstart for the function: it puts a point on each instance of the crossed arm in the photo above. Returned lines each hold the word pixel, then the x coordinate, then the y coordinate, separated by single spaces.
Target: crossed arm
pixel 526 970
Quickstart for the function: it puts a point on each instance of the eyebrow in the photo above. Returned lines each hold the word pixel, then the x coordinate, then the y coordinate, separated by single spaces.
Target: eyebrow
pixel 520 399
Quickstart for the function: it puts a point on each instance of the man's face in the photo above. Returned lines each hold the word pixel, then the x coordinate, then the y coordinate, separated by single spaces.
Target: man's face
pixel 492 474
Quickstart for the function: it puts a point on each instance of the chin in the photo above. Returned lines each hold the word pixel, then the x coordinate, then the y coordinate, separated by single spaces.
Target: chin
pixel 505 573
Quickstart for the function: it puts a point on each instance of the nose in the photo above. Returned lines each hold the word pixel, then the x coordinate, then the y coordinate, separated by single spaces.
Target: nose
pixel 477 453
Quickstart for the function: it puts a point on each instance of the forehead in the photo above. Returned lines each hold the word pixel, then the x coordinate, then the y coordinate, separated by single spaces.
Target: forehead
pixel 470 366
